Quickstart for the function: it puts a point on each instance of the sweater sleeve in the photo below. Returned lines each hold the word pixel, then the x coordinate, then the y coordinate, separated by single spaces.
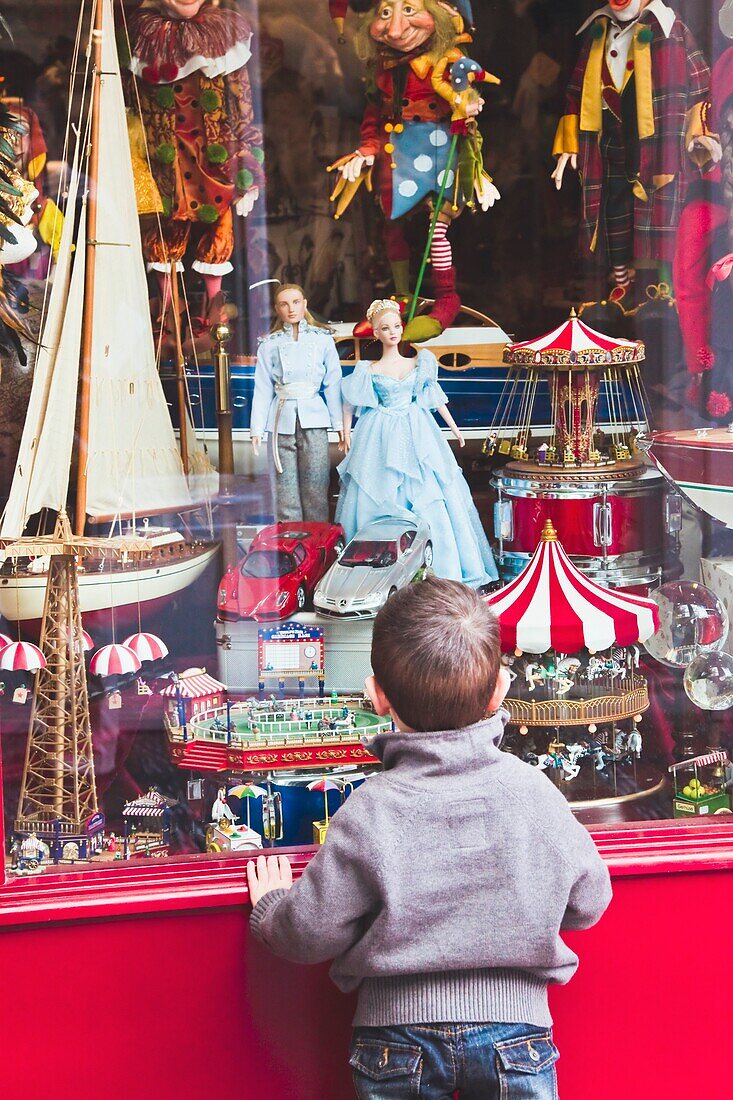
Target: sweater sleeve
pixel 327 910
pixel 590 893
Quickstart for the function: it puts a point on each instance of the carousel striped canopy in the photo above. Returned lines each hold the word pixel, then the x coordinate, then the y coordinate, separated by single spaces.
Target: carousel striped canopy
pixel 552 605
pixel 574 343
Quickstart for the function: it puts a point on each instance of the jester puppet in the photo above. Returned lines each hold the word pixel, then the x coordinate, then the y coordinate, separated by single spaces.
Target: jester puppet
pixel 634 106
pixel 419 139
pixel 189 59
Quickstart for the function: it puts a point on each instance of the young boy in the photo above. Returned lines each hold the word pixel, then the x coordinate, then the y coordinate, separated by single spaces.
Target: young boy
pixel 445 879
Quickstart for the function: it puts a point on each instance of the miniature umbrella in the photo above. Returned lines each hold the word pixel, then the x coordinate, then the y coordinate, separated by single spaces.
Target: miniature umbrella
pixel 21 657
pixel 147 647
pixel 5 640
pixel 113 660
pixel 325 785
pixel 552 605
pixel 247 790
pixel 82 644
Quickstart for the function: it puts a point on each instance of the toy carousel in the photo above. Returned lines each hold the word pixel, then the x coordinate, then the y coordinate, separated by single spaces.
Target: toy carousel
pixel 576 698
pixel 614 512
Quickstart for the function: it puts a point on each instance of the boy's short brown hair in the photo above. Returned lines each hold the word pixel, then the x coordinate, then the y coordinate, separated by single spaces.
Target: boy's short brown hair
pixel 436 654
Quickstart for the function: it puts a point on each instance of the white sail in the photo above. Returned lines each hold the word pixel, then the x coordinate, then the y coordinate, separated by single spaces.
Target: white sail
pixel 41 477
pixel 134 466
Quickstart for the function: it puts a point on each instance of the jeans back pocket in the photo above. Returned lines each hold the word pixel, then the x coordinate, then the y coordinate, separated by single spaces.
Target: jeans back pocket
pixel 526 1067
pixel 382 1061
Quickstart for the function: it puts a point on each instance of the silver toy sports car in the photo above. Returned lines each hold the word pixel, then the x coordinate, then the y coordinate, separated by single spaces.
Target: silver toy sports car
pixel 382 557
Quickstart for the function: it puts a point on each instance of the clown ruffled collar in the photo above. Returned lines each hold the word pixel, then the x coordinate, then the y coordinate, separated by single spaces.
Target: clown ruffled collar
pixel 165 50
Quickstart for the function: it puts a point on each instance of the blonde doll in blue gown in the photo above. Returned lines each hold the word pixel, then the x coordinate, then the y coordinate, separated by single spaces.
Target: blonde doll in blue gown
pixel 397 460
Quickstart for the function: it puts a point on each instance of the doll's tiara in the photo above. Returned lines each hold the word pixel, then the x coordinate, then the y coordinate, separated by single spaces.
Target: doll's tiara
pixel 381 305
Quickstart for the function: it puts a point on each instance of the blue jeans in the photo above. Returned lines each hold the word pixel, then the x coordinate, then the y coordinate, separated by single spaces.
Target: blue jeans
pixel 478 1061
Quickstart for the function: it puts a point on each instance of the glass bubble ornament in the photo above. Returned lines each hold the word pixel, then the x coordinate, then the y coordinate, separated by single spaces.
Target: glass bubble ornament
pixel 692 621
pixel 708 681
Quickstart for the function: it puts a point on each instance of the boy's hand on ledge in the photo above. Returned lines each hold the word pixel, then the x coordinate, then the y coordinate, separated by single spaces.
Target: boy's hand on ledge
pixel 268 873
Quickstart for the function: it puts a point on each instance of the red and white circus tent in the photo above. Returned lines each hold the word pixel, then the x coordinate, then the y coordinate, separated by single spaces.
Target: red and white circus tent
pixel 552 605
pixel 574 342
pixel 194 685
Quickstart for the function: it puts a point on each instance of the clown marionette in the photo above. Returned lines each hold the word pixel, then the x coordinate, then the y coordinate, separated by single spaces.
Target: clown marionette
pixel 703 262
pixel 205 149
pixel 419 146
pixel 633 107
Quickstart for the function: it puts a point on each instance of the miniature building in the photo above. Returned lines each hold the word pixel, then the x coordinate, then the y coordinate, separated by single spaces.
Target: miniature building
pixel 147 823
pixel 192 694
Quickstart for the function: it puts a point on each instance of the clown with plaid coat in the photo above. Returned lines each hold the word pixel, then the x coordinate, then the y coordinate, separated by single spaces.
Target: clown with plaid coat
pixel 634 105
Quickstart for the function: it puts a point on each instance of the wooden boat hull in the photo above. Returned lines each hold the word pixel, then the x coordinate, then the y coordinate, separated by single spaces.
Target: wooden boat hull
pixel 700 465
pixel 121 592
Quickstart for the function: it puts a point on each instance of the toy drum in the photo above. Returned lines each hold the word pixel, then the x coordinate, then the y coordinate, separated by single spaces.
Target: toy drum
pixel 291 808
pixel 620 525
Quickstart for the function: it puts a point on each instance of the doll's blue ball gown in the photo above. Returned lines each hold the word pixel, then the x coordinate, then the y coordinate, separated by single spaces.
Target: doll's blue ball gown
pixel 400 462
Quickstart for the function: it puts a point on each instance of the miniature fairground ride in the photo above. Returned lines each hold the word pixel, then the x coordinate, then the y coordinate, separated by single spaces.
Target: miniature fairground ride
pixel 255 735
pixel 576 697
pixel 611 509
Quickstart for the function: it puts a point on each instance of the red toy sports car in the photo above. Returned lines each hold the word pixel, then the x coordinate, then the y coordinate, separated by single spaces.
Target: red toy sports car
pixel 279 574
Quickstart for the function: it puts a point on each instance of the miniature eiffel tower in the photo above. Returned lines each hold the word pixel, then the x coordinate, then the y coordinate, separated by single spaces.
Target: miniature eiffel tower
pixel 58 795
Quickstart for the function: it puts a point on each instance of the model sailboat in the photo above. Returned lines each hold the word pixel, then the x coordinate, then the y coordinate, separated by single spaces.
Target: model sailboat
pixel 97 406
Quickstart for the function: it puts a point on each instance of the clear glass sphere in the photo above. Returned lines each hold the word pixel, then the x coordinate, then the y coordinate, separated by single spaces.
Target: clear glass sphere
pixel 708 681
pixel 692 621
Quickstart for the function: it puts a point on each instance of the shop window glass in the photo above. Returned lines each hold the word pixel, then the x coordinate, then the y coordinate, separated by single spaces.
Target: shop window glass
pixel 217 633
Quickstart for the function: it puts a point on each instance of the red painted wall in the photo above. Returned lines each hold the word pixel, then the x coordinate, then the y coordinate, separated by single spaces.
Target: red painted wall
pixel 185 1004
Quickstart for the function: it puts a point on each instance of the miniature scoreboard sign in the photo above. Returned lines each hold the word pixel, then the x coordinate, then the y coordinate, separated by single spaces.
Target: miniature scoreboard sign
pixel 290 651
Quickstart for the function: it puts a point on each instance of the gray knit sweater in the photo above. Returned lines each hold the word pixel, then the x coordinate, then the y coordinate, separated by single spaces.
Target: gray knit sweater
pixel 443 885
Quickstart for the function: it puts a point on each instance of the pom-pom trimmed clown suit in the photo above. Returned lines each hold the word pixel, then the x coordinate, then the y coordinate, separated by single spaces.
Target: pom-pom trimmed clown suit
pixel 633 103
pixel 205 148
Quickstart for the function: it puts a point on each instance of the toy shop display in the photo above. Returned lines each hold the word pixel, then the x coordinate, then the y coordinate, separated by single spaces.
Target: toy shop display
pixel 383 556
pixel 717 575
pixel 347 641
pixel 702 785
pixel 576 698
pixel 703 262
pixel 192 89
pixel 692 623
pixel 634 106
pixel 280 572
pixel 297 398
pixel 397 460
pixel 263 748
pixel 698 463
pixel 98 431
pixel 420 147
pixel 619 522
pixel 147 826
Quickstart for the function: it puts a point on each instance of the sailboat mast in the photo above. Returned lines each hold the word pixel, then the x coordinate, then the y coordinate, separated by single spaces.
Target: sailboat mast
pixel 85 372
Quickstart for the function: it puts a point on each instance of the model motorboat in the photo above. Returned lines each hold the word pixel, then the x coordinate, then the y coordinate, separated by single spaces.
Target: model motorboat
pixel 98 435
pixel 699 463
